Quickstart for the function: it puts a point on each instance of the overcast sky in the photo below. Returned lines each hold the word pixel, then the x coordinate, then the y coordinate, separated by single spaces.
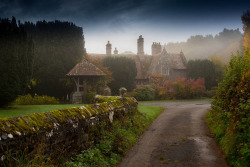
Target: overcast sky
pixel 122 21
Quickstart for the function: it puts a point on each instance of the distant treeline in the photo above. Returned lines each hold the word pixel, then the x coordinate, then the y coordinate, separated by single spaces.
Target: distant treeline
pixel 201 47
pixel 38 56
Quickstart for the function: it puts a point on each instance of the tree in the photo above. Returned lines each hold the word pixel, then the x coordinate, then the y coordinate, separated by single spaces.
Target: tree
pixel 246 21
pixel 202 69
pixel 219 67
pixel 16 57
pixel 58 47
pixel 123 72
pixel 201 47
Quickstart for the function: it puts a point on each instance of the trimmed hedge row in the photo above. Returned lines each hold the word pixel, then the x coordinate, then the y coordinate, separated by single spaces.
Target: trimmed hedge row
pixel 62 132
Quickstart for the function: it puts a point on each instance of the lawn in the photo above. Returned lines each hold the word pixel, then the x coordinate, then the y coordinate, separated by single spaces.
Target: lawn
pixel 17 110
pixel 151 111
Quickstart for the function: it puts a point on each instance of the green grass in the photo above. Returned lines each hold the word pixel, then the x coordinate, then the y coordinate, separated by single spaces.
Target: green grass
pixel 151 112
pixel 18 110
pixel 179 100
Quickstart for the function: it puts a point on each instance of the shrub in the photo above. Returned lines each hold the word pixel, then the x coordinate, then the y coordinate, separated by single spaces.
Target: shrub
pixel 36 100
pixel 90 98
pixel 144 93
pixel 185 88
pixel 211 93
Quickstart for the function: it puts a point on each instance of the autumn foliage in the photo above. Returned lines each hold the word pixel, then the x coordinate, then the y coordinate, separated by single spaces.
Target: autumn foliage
pixel 164 89
pixel 185 88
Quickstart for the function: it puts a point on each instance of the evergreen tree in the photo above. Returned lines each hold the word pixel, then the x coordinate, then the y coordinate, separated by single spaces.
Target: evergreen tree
pixel 58 47
pixel 123 72
pixel 202 69
pixel 16 58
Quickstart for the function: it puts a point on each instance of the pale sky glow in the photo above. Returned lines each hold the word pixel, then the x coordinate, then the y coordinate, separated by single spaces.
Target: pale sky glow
pixel 126 39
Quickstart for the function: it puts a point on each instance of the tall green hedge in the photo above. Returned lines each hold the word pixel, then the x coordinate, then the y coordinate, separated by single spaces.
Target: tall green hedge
pixel 229 118
pixel 59 46
pixel 16 58
pixel 123 72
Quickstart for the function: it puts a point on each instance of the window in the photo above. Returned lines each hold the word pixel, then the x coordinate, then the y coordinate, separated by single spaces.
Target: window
pixel 164 70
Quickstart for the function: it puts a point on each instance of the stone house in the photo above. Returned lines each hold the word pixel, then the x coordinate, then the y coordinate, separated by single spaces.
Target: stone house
pixel 171 65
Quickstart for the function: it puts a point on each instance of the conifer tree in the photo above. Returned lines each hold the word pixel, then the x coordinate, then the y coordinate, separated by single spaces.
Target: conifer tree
pixel 16 57
pixel 59 46
pixel 123 72
pixel 202 69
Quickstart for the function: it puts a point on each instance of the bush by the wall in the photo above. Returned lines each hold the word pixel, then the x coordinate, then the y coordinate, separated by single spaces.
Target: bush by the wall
pixel 35 100
pixel 90 98
pixel 144 93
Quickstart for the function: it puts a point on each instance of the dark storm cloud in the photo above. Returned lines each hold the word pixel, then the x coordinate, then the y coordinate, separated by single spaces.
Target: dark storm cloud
pixel 102 10
pixel 122 12
pixel 66 8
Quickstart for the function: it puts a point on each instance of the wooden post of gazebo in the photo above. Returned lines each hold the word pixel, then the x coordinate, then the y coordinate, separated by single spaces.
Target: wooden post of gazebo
pixel 80 74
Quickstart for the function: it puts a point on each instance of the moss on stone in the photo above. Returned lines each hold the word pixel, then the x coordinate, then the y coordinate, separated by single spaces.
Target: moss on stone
pixel 34 122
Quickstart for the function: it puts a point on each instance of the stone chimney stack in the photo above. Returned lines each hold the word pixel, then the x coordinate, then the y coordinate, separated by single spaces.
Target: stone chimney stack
pixel 140 46
pixel 115 51
pixel 156 48
pixel 108 49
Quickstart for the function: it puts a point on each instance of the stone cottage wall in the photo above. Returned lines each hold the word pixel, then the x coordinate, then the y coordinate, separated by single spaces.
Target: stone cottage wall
pixel 61 132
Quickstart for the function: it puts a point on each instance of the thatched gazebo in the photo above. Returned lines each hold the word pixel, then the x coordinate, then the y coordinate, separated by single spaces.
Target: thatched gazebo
pixel 82 72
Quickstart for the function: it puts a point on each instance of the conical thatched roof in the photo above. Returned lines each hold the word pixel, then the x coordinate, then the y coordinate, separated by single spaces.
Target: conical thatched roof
pixel 85 68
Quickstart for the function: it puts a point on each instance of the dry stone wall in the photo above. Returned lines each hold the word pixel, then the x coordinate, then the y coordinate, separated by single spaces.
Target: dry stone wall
pixel 61 132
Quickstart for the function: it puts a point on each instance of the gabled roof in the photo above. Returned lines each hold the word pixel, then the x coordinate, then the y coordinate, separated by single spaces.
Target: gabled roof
pixel 153 64
pixel 85 68
pixel 177 61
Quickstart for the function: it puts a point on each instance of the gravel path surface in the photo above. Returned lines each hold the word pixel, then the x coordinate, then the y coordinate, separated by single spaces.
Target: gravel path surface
pixel 179 137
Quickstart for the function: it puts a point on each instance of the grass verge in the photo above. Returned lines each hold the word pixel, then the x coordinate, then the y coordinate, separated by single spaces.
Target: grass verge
pixel 118 140
pixel 178 100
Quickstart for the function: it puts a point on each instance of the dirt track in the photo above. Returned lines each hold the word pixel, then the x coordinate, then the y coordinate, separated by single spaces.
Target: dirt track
pixel 178 137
